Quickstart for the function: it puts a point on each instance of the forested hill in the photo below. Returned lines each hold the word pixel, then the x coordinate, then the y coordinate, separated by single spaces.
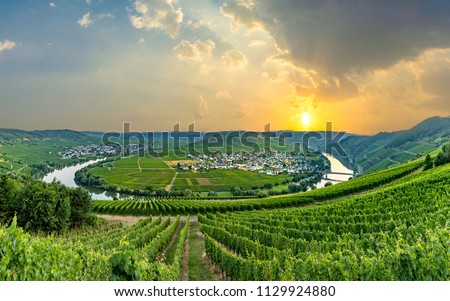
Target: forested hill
pixel 382 150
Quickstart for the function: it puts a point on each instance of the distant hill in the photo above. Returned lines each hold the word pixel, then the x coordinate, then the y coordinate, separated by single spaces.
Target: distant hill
pixel 15 134
pixel 432 130
pixel 93 133
pixel 371 153
pixel 60 134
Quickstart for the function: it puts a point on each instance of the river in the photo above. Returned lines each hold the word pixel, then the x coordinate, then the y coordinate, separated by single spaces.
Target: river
pixel 338 167
pixel 67 177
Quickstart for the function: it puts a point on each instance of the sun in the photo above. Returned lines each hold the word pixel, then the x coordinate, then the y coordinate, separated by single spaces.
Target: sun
pixel 306 119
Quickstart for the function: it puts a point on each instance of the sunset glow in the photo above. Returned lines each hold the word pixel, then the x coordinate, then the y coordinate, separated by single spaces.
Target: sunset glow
pixel 306 119
pixel 223 65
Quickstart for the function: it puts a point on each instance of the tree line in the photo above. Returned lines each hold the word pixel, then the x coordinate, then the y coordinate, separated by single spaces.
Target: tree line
pixel 44 207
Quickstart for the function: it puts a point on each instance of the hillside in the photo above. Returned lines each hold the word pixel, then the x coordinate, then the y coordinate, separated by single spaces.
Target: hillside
pixel 371 153
pixel 61 134
pixel 12 134
pixel 389 225
pixel 16 134
pixel 24 153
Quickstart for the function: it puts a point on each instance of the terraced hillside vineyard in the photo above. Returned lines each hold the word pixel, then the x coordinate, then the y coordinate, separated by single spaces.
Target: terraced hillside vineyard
pixel 397 233
pixel 116 253
pixel 389 225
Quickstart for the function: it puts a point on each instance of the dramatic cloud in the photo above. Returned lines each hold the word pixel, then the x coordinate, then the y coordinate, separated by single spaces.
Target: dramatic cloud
pixel 195 51
pixel 242 13
pixel 200 107
pixel 85 21
pixel 367 66
pixel 422 83
pixel 157 14
pixel 234 60
pixel 7 45
pixel 352 35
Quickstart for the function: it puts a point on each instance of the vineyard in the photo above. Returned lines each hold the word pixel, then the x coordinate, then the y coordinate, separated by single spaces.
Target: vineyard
pixel 389 225
pixel 397 233
pixel 116 253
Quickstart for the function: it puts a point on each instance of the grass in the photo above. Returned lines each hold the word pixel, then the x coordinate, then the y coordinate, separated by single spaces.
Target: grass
pixel 423 148
pixel 156 173
pixel 199 265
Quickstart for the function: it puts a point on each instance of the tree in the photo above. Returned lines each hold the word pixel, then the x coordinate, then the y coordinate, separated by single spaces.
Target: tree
pixel 81 206
pixel 268 186
pixel 262 194
pixel 295 187
pixel 236 190
pixel 187 193
pixel 41 207
pixel 328 184
pixel 160 192
pixel 444 156
pixel 428 162
pixel 8 191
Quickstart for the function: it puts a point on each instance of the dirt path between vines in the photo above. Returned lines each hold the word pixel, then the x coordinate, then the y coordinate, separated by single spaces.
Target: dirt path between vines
pixel 139 165
pixel 124 219
pixel 185 265
pixel 169 244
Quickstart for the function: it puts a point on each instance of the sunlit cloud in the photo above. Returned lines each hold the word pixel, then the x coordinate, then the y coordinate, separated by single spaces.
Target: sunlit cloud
pixel 257 43
pixel 52 5
pixel 242 13
pixel 85 21
pixel 233 60
pixel 157 14
pixel 195 51
pixel 201 107
pixel 7 45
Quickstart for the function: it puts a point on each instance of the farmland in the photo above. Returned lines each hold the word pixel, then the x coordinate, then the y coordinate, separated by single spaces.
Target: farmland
pixel 154 173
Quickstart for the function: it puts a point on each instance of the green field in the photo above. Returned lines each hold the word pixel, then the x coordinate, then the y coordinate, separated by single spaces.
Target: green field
pixel 17 156
pixel 156 173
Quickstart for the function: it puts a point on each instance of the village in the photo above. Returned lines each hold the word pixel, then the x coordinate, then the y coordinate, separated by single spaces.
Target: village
pixel 269 162
pixel 91 150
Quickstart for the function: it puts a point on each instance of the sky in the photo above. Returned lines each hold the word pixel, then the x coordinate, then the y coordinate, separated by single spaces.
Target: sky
pixel 365 66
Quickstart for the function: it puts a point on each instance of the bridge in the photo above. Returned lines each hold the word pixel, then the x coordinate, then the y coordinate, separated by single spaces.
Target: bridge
pixel 339 173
